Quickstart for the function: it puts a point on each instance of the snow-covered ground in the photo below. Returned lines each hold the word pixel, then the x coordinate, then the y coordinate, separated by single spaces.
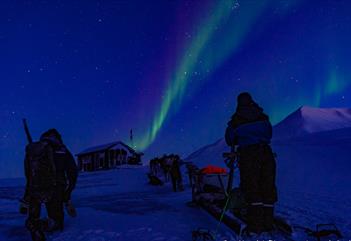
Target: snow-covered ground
pixel 120 205
pixel 115 205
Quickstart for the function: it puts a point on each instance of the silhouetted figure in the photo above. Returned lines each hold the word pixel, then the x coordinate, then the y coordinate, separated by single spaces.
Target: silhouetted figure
pixel 66 177
pixel 165 164
pixel 192 170
pixel 154 166
pixel 51 175
pixel 251 131
pixel 175 173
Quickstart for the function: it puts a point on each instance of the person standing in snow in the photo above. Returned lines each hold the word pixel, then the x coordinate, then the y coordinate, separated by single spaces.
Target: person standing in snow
pixel 154 166
pixel 48 164
pixel 175 173
pixel 66 178
pixel 165 166
pixel 251 131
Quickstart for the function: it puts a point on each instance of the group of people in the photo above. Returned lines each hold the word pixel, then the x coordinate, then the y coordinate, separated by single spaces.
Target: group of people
pixel 248 133
pixel 169 167
pixel 51 171
pixel 51 175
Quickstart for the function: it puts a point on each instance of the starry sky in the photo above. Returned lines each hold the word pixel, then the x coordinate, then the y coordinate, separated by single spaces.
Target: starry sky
pixel 169 70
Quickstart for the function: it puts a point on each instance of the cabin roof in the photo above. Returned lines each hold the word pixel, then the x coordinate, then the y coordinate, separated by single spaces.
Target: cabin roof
pixel 105 147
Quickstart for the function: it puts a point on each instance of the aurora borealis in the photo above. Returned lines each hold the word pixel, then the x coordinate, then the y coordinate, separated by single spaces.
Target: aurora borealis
pixel 199 58
pixel 169 70
pixel 179 80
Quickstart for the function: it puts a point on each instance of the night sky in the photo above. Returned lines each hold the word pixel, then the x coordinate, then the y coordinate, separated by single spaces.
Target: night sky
pixel 169 70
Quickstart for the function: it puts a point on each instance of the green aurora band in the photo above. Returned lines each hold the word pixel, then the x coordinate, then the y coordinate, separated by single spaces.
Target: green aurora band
pixel 197 49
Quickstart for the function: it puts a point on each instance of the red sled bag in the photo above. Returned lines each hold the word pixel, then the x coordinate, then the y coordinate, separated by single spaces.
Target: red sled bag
pixel 210 169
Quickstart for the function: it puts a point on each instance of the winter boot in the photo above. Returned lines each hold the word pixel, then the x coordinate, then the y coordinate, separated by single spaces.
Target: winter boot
pixel 34 226
pixel 38 235
pixel 268 217
pixel 254 219
pixel 49 225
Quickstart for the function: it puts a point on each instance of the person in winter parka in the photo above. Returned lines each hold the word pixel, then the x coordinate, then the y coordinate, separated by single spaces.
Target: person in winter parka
pixel 66 178
pixel 251 131
pixel 176 175
pixel 51 175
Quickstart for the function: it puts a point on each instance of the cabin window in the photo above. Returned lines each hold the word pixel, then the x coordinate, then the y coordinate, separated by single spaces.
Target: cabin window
pixel 101 162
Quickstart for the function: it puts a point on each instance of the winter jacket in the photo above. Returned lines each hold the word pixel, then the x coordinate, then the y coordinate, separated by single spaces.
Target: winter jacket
pixel 66 168
pixel 248 126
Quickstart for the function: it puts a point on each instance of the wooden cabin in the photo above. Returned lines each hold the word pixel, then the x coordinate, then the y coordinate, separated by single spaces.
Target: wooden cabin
pixel 108 156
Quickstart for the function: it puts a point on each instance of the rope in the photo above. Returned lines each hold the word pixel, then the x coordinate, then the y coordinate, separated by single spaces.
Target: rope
pixel 222 215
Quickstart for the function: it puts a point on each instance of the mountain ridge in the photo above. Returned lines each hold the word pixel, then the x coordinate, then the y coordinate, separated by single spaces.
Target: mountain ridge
pixel 307 120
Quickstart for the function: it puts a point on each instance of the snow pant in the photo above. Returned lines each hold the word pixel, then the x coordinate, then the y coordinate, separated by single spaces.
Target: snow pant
pixel 257 181
pixel 174 182
pixel 177 183
pixel 54 208
pixel 33 222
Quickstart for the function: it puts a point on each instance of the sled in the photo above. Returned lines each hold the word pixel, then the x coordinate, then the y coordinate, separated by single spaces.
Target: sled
pixel 214 194
pixel 154 180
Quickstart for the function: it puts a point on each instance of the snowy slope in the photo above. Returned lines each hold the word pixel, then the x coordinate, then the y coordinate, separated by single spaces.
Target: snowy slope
pixel 209 154
pixel 308 120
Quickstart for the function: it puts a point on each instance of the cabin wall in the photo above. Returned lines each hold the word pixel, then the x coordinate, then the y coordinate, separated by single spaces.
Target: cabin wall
pixel 108 159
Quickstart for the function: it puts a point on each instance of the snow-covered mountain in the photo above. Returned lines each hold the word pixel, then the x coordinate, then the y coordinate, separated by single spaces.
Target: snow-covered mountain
pixel 314 153
pixel 307 120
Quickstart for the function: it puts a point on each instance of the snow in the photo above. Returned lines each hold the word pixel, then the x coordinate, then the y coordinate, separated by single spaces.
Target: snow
pixel 115 205
pixel 120 205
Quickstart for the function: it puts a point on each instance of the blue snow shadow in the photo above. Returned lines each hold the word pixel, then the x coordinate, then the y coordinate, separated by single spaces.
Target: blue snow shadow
pixel 137 203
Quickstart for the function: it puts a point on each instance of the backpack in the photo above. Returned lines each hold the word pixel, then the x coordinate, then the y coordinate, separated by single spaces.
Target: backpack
pixel 40 170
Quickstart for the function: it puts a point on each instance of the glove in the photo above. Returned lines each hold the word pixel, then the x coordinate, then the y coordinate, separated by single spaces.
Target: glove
pixel 70 209
pixel 24 206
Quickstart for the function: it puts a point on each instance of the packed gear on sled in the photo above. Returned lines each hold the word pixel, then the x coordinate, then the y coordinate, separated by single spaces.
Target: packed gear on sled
pixel 322 231
pixel 228 207
pixel 154 180
pixel 210 169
